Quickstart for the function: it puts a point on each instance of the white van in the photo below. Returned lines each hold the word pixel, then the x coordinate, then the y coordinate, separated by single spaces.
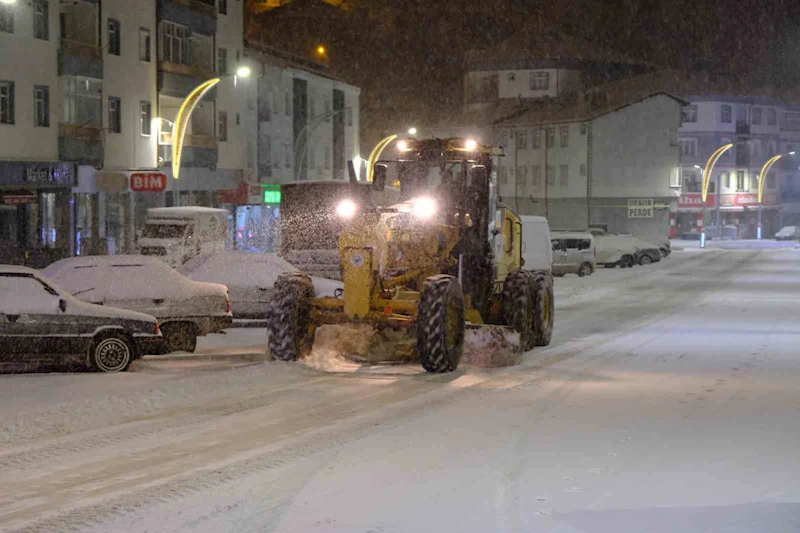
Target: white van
pixel 176 234
pixel 573 253
pixel 537 253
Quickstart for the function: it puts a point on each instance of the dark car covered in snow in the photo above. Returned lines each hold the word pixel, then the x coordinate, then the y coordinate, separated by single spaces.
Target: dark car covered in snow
pixel 42 323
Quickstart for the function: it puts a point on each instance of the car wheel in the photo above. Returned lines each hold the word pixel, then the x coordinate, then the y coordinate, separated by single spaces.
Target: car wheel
pixel 645 260
pixel 610 265
pixel 626 262
pixel 180 337
pixel 110 352
pixel 584 270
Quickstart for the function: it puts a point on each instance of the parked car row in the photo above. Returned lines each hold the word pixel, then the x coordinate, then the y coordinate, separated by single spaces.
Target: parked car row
pixel 579 252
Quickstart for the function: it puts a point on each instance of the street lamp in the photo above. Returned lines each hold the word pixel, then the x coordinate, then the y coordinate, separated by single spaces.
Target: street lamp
pixel 185 113
pixel 762 177
pixel 412 131
pixel 712 160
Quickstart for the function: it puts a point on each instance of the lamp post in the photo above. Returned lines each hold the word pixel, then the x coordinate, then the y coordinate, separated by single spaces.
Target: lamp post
pixel 185 113
pixel 762 177
pixel 712 160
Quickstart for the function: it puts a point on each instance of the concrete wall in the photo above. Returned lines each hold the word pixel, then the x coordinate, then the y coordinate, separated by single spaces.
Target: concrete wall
pixel 633 150
pixel 131 80
pixel 27 62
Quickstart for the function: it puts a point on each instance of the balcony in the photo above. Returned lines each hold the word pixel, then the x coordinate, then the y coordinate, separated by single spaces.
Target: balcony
pixel 742 127
pixel 78 58
pixel 199 15
pixel 198 150
pixel 80 144
pixel 178 80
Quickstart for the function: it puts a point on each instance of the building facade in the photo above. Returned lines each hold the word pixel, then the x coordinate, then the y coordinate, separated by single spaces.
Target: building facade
pixel 759 128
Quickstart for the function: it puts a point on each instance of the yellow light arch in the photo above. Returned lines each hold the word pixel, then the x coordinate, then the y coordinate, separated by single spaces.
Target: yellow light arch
pixel 376 154
pixel 182 121
pixel 763 176
pixel 710 166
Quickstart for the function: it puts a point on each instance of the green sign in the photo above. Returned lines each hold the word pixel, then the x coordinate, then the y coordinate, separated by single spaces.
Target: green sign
pixel 272 197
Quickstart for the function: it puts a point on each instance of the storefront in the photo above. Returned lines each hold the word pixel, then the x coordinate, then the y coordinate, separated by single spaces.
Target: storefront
pixel 257 216
pixel 36 219
pixel 738 214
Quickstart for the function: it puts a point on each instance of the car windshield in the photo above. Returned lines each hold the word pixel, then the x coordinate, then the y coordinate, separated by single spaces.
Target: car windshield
pixel 393 266
pixel 164 231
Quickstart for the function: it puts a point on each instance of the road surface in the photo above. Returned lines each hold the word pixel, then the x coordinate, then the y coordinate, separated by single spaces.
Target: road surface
pixel 667 402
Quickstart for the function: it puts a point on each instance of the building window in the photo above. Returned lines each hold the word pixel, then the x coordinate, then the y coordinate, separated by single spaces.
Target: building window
pixel 741 114
pixel 753 182
pixel 83 103
pixel 502 175
pixel 522 139
pixel 726 113
pixel 756 116
pixel 114 114
pixel 522 176
pixel 583 129
pixel 689 113
pixel 551 137
pixel 727 180
pixel 512 76
pixel 144 44
pixel 688 147
pixel 6 18
pixel 739 180
pixel 583 169
pixel 238 119
pixel 146 118
pixel 536 175
pixel 6 102
pixel 563 175
pixel 540 80
pixel 690 182
pixel 114 45
pixel 276 161
pixel 563 132
pixel 174 43
pixel 41 19
pixel 223 7
pixel 287 152
pixel 222 61
pixel 551 175
pixel 222 126
pixel 537 139
pixel 287 102
pixel 771 182
pixel 771 120
pixel 41 106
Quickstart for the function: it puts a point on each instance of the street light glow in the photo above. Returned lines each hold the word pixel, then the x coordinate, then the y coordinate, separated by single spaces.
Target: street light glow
pixel 412 131
pixel 243 72
pixel 697 166
pixel 321 50
pixel 402 145
pixel 8 2
pixel 791 153
pixel 471 145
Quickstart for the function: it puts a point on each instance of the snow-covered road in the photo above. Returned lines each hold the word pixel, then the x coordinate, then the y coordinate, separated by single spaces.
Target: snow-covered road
pixel 667 402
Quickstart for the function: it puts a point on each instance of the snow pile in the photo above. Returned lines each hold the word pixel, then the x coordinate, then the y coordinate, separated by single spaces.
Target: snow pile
pixel 491 346
pixel 342 347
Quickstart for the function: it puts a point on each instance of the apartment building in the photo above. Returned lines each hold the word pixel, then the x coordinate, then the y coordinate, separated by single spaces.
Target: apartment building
pixel 86 126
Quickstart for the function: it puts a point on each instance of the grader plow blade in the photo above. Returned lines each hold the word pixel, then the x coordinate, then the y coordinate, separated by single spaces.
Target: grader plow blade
pixel 491 346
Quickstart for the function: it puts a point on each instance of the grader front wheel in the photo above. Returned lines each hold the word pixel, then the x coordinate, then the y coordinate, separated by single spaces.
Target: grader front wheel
pixel 543 307
pixel 289 316
pixel 440 324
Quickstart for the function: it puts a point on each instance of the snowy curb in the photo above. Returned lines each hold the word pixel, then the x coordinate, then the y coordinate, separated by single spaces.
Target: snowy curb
pixel 253 356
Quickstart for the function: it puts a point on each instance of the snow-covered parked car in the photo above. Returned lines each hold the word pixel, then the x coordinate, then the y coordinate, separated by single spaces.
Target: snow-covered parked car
pixel 186 309
pixel 614 250
pixel 788 233
pixel 41 322
pixel 250 278
pixel 646 252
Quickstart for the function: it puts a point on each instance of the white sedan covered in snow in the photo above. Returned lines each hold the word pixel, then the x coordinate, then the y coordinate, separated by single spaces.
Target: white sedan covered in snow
pixel 185 309
pixel 250 278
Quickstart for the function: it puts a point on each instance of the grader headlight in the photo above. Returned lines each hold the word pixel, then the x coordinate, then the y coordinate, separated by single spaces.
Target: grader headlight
pixel 347 208
pixel 424 208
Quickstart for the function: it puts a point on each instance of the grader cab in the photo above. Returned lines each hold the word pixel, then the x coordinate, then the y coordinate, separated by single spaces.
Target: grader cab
pixel 441 264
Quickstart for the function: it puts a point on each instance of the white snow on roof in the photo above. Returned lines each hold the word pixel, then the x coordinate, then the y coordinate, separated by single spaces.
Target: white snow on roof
pixel 14 269
pixel 184 211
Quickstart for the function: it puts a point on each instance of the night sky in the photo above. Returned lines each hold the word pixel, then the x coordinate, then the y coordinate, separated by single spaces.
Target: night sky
pixel 407 55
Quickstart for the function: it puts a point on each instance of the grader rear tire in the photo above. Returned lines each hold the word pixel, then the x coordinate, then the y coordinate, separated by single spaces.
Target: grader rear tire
pixel 543 308
pixel 518 306
pixel 289 315
pixel 440 324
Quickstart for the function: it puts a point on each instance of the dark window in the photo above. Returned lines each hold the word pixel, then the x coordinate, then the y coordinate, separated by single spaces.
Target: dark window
pixel 41 106
pixel 537 139
pixel 563 132
pixel 144 44
pixel 540 81
pixel 223 126
pixel 577 244
pixel 740 180
pixel 551 137
pixel 6 18
pixel 726 113
pixel 771 117
pixel 41 19
pixel 223 7
pixel 146 117
pixel 114 114
pixel 557 245
pixel 7 102
pixel 113 37
pixel 522 140
pixel 222 61
pixel 689 113
pixel 756 116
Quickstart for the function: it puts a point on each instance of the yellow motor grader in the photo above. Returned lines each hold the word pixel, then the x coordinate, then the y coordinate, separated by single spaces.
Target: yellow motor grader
pixel 443 263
